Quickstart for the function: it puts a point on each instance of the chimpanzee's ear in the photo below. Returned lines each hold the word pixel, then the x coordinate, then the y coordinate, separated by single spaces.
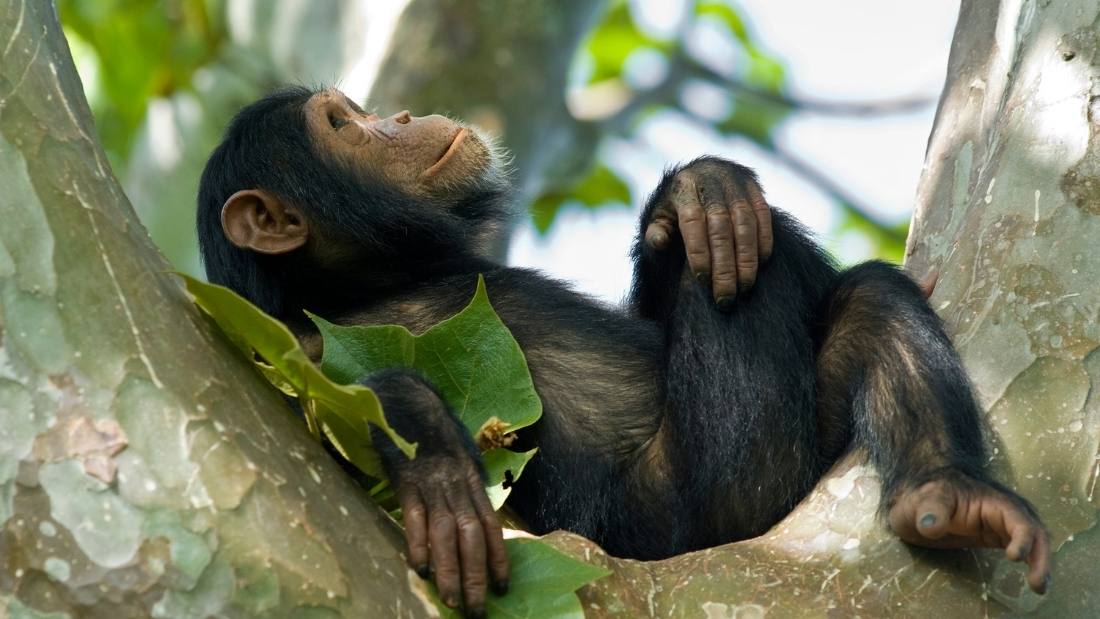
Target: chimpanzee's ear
pixel 257 220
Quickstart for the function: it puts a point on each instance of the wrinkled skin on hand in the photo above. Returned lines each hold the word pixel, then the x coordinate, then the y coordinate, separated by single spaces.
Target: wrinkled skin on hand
pixel 719 211
pixel 451 530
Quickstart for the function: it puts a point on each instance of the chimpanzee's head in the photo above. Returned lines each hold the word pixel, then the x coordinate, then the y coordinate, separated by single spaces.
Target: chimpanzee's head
pixel 307 185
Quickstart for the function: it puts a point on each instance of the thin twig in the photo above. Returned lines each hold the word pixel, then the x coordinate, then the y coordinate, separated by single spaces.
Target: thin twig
pixel 849 203
pixel 819 106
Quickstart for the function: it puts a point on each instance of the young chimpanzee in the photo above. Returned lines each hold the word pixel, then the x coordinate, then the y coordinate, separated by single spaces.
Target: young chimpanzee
pixel 689 419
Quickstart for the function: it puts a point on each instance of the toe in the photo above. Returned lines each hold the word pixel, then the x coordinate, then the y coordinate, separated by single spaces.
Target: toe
pixel 932 518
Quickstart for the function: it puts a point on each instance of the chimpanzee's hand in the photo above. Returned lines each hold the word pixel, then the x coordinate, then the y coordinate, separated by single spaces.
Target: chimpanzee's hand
pixel 720 212
pixel 451 527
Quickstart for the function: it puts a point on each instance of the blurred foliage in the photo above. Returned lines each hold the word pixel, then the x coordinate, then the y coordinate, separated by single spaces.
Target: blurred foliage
pixel 606 54
pixel 601 187
pixel 755 84
pixel 885 242
pixel 614 40
pixel 131 52
pixel 141 49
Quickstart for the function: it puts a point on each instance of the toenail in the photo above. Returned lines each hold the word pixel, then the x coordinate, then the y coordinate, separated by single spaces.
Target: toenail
pixel 928 520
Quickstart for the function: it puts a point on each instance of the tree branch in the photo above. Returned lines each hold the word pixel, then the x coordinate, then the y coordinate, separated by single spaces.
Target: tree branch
pixel 820 106
pixel 849 203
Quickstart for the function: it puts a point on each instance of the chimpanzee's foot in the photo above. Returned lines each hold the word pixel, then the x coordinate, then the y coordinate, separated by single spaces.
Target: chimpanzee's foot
pixel 957 511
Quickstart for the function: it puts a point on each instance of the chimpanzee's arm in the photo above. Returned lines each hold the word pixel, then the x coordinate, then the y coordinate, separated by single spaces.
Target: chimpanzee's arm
pixel 449 522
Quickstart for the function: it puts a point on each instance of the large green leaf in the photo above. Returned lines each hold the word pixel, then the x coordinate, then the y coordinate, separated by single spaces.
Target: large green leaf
pixel 542 582
pixel 471 358
pixel 341 411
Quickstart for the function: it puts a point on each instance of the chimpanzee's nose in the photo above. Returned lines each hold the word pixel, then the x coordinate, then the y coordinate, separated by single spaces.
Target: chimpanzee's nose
pixel 403 117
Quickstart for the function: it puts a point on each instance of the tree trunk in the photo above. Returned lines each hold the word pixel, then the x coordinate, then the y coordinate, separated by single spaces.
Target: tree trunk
pixel 145 469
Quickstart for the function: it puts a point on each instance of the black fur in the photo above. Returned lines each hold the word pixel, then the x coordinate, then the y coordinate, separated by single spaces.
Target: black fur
pixel 668 425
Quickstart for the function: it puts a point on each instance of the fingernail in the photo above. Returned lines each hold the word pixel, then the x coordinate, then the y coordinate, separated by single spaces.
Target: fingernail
pixel 725 303
pixel 928 520
pixel 423 572
pixel 500 587
pixel 451 602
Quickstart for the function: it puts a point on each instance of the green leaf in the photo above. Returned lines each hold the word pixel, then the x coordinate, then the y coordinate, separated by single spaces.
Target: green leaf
pixel 725 14
pixel 613 40
pixel 471 358
pixel 541 585
pixel 343 410
pixel 503 465
pixel 599 187
pixel 754 119
pixel 887 242
pixel 764 70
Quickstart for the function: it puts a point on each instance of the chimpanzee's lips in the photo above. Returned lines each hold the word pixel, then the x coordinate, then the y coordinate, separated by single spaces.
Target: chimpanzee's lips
pixel 459 138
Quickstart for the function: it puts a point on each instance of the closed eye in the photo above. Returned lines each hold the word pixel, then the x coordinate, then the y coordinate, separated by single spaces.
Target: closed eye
pixel 337 122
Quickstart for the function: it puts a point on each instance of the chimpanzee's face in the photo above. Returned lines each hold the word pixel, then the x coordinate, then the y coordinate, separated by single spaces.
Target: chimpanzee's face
pixel 420 155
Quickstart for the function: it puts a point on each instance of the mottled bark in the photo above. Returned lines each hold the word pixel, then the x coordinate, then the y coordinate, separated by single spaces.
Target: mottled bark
pixel 145 468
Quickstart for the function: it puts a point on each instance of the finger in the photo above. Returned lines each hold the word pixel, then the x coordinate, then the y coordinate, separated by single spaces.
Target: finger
pixel 763 213
pixel 416 529
pixel 1038 576
pixel 1019 546
pixel 723 280
pixel 496 554
pixel 723 269
pixel 693 225
pixel 746 241
pixel 1016 531
pixel 471 551
pixel 442 536
pixel 658 233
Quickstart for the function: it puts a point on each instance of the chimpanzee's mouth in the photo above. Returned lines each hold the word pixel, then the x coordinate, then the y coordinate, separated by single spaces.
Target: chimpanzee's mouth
pixel 459 138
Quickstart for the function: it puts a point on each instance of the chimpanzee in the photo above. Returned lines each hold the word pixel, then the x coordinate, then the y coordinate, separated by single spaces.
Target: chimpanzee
pixel 742 367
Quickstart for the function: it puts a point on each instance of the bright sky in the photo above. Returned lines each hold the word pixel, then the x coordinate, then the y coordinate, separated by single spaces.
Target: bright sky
pixel 845 50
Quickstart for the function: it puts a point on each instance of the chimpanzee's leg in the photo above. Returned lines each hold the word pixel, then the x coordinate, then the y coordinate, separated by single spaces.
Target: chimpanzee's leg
pixel 740 426
pixel 889 379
